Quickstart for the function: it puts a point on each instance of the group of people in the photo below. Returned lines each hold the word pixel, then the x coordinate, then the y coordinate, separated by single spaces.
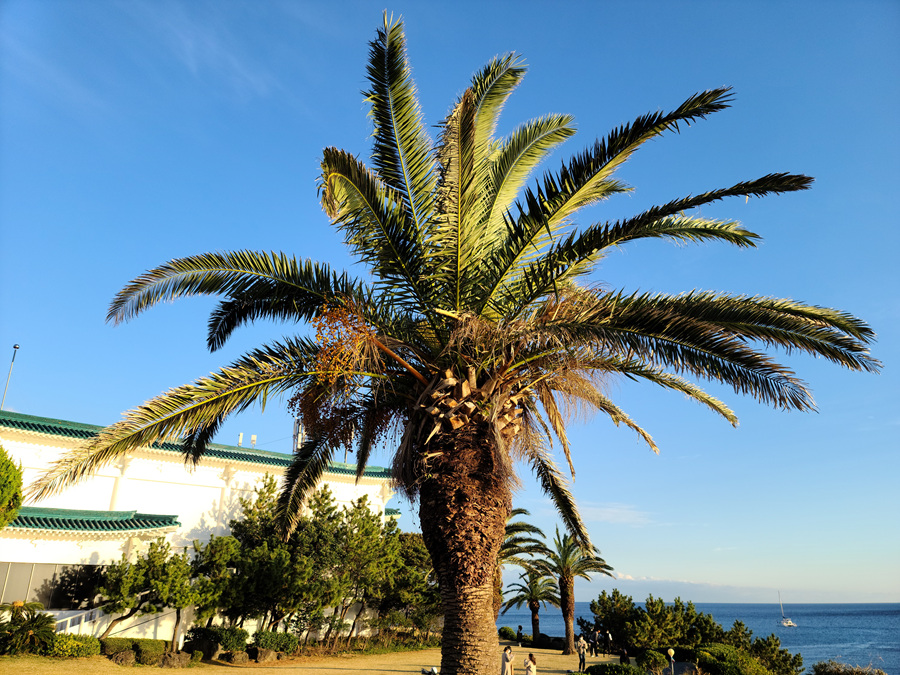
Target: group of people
pixel 506 663
pixel 595 643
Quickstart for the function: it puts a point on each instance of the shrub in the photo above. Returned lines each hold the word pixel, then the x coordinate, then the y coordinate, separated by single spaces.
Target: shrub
pixel 149 652
pixel 196 656
pixel 28 630
pixel 279 642
pixel 613 669
pixel 835 668
pixel 70 646
pixel 719 659
pixel 232 639
pixel 652 661
pixel 507 633
pixel 113 646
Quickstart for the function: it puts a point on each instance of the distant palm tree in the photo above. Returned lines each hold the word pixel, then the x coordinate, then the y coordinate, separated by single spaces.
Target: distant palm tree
pixel 519 540
pixel 565 560
pixel 470 337
pixel 537 589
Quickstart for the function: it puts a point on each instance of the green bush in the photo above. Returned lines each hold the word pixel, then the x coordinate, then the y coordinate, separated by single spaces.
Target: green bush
pixel 113 646
pixel 231 639
pixel 196 656
pixel 279 642
pixel 652 661
pixel 835 668
pixel 613 669
pixel 719 659
pixel 28 631
pixel 69 646
pixel 507 633
pixel 149 652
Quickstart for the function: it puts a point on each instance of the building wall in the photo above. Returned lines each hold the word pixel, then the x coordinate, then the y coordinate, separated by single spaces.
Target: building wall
pixel 204 498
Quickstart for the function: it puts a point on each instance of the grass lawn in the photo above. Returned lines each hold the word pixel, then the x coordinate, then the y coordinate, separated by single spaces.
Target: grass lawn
pixel 550 662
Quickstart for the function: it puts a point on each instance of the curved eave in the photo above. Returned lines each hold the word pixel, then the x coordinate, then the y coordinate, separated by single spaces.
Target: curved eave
pixel 218 453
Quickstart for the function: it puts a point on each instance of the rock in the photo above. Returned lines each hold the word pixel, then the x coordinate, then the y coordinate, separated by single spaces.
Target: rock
pixel 180 660
pixel 211 650
pixel 125 658
pixel 237 658
pixel 266 655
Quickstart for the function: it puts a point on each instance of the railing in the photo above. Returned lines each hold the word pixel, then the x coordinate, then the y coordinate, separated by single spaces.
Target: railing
pixel 70 623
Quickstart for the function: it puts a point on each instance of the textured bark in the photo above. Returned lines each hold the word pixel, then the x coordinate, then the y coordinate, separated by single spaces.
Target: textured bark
pixel 567 605
pixel 535 608
pixel 464 502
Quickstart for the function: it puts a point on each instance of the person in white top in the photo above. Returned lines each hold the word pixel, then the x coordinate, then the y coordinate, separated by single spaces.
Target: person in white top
pixel 506 661
pixel 531 665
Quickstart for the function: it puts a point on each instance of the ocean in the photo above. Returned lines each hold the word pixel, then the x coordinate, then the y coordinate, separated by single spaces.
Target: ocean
pixel 856 634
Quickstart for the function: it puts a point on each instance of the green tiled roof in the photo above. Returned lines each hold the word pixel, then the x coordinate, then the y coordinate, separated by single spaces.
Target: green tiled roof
pixel 78 430
pixel 392 512
pixel 73 520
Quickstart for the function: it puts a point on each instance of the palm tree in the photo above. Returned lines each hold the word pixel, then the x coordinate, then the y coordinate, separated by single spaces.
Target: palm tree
pixel 537 589
pixel 519 540
pixel 471 338
pixel 566 560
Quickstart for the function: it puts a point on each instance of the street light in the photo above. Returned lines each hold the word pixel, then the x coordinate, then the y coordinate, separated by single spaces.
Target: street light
pixel 3 402
pixel 672 659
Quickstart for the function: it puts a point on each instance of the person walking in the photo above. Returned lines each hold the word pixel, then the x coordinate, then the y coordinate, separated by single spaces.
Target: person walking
pixel 506 661
pixel 530 665
pixel 582 648
pixel 609 644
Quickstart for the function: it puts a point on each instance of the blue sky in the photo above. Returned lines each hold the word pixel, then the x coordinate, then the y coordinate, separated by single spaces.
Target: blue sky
pixel 135 132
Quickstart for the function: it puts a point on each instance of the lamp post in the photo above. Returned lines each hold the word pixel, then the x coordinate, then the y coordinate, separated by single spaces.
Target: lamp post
pixel 15 349
pixel 672 659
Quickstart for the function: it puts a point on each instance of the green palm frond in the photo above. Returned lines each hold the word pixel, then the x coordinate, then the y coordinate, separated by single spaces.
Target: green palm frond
pixel 581 182
pixel 186 411
pixel 555 485
pixel 460 188
pixel 302 478
pixel 518 156
pixel 491 87
pixel 402 151
pixel 236 274
pixel 376 227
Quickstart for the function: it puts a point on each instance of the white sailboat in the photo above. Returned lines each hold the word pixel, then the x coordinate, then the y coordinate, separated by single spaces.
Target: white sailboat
pixel 785 620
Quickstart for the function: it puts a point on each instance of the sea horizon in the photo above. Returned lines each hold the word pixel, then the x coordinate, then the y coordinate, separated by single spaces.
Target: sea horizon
pixel 856 633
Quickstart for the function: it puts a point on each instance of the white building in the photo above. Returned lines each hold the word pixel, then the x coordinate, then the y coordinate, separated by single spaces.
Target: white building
pixel 148 494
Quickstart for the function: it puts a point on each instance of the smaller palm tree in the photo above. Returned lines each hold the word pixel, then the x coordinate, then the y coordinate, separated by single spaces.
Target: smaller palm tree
pixel 534 590
pixel 519 540
pixel 565 561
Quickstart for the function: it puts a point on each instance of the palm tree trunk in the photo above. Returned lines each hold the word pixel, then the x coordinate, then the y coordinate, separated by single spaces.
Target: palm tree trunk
pixel 535 622
pixel 464 502
pixel 567 605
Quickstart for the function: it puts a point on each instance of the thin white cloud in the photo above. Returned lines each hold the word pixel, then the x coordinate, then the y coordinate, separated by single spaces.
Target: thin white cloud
pixel 201 41
pixel 43 75
pixel 614 513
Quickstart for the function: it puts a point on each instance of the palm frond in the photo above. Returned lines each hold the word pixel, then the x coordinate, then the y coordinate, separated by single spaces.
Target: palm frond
pixel 401 151
pixel 301 479
pixel 377 229
pixel 518 155
pixel 580 183
pixel 235 274
pixel 185 411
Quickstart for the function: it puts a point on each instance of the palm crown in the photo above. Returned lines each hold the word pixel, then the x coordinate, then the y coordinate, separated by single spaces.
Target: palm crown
pixel 474 338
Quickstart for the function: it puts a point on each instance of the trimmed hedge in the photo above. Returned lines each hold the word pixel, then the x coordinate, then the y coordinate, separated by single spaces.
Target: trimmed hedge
pixel 147 652
pixel 614 669
pixel 278 642
pixel 70 646
pixel 232 639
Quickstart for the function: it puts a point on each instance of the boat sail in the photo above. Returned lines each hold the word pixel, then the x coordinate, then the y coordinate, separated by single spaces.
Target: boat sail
pixel 785 620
